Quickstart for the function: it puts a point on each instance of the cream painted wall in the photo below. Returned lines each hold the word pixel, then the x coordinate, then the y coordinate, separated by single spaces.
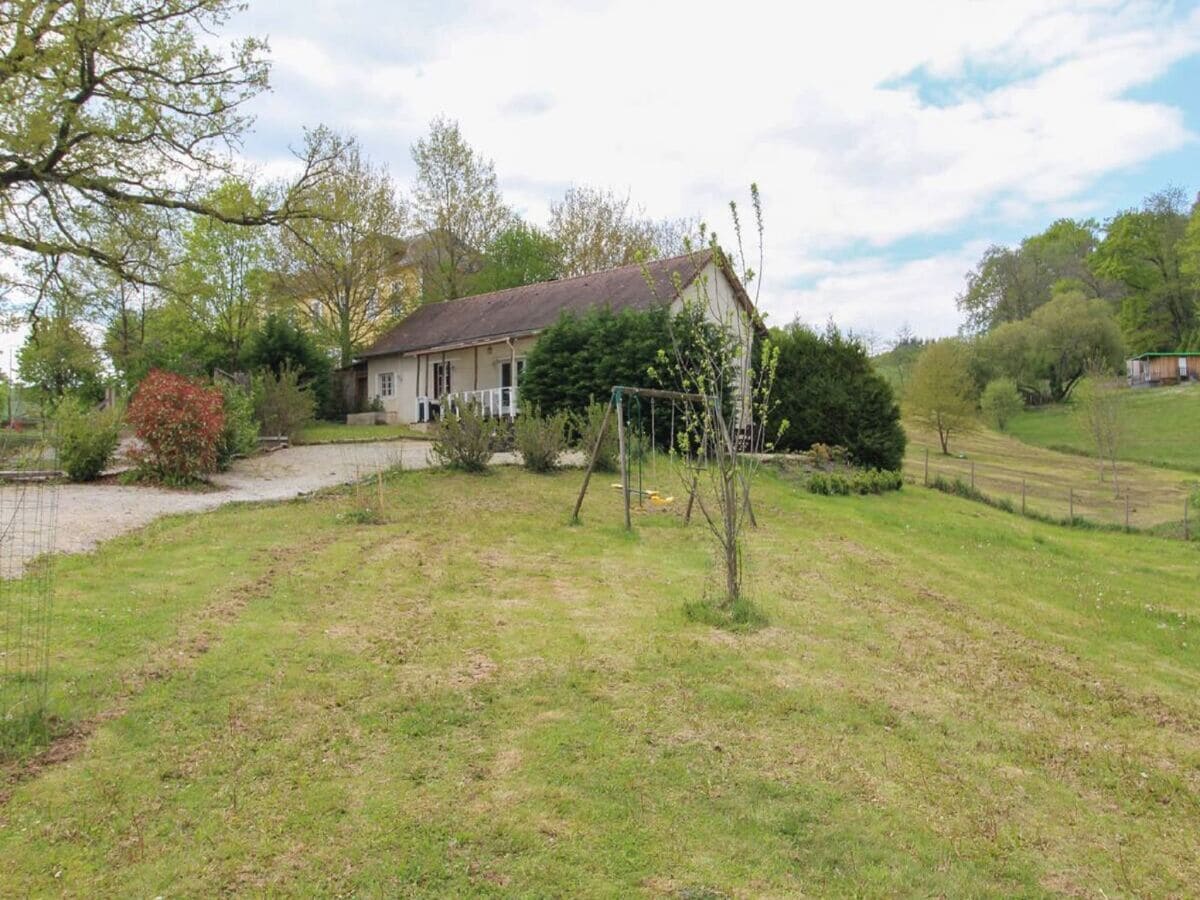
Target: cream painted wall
pixel 414 374
pixel 714 292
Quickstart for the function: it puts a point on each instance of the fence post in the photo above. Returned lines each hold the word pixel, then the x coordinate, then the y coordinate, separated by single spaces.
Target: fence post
pixel 926 467
pixel 1022 496
pixel 972 474
pixel 1187 535
pixel 1071 505
pixel 1127 509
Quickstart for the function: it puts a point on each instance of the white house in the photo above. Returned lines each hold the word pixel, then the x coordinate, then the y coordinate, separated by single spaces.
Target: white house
pixel 473 349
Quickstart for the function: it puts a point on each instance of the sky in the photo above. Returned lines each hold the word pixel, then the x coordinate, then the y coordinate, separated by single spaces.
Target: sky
pixel 892 142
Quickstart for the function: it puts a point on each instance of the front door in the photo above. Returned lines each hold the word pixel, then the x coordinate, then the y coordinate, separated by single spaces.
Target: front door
pixel 1183 368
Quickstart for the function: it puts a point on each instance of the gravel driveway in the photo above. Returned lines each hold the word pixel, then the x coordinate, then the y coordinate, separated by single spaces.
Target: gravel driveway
pixel 89 514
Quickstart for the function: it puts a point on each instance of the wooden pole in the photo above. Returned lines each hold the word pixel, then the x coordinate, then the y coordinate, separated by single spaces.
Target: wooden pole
pixel 620 402
pixel 687 517
pixel 972 474
pixel 1126 509
pixel 1022 496
pixel 926 467
pixel 1187 533
pixel 592 462
pixel 1071 504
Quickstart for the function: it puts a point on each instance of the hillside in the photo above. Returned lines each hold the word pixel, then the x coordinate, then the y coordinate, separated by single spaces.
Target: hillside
pixel 1053 480
pixel 1161 427
pixel 473 698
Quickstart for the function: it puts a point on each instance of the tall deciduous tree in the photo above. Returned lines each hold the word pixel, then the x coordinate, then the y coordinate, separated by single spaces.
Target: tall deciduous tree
pixel 1008 284
pixel 598 229
pixel 1145 250
pixel 222 278
pixel 519 255
pixel 340 264
pixel 107 108
pixel 941 392
pixel 1047 353
pixel 456 200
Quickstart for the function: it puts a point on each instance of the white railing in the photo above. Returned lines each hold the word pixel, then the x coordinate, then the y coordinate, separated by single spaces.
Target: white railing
pixel 492 402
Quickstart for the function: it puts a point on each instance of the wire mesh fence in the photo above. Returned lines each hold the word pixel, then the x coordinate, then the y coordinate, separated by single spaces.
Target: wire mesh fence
pixel 28 519
pixel 1166 508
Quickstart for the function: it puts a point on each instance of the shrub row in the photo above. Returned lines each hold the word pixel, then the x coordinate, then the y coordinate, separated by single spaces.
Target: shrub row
pixel 465 439
pixel 857 481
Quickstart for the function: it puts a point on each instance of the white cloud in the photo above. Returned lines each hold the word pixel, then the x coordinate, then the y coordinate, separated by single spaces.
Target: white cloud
pixel 684 104
pixel 876 297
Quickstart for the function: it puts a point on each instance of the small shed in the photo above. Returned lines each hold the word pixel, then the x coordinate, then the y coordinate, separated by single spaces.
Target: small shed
pixel 1153 369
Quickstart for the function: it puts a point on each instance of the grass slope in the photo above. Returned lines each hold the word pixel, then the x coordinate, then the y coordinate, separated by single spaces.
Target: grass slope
pixel 1002 462
pixel 474 698
pixel 1161 427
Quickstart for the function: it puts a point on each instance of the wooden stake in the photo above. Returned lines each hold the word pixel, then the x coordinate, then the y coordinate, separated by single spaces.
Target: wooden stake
pixel 926 467
pixel 620 402
pixel 687 517
pixel 1022 496
pixel 592 462
pixel 1126 509
pixel 972 474
pixel 1187 534
pixel 1071 504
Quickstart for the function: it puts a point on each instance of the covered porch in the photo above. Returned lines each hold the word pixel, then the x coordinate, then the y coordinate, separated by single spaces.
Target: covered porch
pixel 492 403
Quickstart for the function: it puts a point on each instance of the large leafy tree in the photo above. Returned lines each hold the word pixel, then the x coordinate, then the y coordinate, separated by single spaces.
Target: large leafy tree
pixel 519 255
pixel 222 277
pixel 599 229
pixel 1145 250
pixel 340 264
pixel 456 200
pixel 1047 353
pixel 828 392
pixel 1008 284
pixel 109 108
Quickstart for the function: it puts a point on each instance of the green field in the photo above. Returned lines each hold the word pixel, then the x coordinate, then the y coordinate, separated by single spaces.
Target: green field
pixel 339 433
pixel 1054 482
pixel 1161 427
pixel 475 698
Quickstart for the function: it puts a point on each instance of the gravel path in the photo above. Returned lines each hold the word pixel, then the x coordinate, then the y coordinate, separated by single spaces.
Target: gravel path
pixel 89 514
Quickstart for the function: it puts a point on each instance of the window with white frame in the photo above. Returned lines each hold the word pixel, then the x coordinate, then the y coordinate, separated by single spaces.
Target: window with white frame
pixel 387 384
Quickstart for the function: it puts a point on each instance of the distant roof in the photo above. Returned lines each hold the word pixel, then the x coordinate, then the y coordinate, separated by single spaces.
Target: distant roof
pixel 534 307
pixel 1167 353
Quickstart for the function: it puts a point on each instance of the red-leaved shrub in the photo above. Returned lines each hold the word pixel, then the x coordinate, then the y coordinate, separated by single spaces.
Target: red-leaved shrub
pixel 178 421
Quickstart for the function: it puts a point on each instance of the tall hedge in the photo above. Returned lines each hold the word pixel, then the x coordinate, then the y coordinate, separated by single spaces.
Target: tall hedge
pixel 583 357
pixel 829 393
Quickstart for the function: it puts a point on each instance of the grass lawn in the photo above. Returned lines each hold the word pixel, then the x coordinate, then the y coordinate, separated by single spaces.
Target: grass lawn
pixel 1161 427
pixel 340 433
pixel 1002 462
pixel 475 698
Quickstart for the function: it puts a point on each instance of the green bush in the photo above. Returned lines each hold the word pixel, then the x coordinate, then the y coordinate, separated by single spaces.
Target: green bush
pixel 828 393
pixel 239 436
pixel 588 426
pixel 1000 402
pixel 857 481
pixel 464 441
pixel 87 438
pixel 281 403
pixel 541 440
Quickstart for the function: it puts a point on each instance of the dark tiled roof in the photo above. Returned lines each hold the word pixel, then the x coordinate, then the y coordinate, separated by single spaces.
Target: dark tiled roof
pixel 529 309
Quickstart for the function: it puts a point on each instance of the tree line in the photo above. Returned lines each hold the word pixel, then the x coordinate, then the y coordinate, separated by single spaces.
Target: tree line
pixel 1086 292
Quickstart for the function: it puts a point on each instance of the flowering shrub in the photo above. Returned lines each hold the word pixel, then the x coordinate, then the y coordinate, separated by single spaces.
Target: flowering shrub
pixel 179 423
